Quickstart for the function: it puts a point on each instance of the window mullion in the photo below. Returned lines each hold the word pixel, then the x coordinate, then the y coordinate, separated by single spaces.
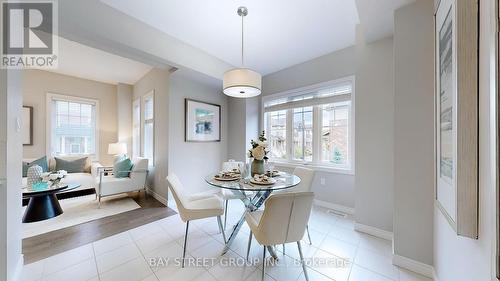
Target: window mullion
pixel 289 133
pixel 316 134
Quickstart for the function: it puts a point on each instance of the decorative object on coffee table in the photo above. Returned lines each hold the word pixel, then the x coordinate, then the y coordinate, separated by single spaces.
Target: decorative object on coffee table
pixel 259 154
pixel 34 175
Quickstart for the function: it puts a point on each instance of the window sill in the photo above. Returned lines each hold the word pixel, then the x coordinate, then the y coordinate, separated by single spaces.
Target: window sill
pixel 315 167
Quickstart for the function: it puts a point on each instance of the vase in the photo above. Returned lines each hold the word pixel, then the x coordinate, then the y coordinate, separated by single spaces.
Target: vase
pixel 34 175
pixel 257 167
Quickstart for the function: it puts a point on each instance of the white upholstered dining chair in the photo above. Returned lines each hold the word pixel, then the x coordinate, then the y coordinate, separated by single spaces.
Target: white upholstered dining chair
pixel 283 220
pixel 194 207
pixel 306 176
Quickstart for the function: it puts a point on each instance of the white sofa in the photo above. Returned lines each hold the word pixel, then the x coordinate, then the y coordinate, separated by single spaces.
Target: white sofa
pixel 86 180
pixel 110 185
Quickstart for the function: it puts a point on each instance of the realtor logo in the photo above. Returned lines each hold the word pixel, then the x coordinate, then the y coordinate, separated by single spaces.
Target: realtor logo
pixel 28 35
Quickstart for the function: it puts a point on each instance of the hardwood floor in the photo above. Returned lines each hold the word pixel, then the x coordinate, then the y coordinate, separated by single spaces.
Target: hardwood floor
pixel 48 244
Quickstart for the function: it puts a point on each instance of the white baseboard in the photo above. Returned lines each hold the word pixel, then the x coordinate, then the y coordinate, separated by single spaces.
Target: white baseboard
pixel 413 265
pixel 333 206
pixel 157 196
pixel 377 232
pixel 19 268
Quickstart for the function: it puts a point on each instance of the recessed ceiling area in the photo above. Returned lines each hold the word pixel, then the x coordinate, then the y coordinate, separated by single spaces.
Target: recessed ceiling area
pixel 82 61
pixel 278 33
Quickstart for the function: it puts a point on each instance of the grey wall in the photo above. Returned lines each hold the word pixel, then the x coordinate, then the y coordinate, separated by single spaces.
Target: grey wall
pixel 252 112
pixel 243 126
pixel 370 191
pixel 374 108
pixel 193 161
pixel 237 129
pixel 338 188
pixel 458 258
pixel 325 68
pixel 11 260
pixel 124 94
pixel 414 131
pixel 158 80
pixel 36 85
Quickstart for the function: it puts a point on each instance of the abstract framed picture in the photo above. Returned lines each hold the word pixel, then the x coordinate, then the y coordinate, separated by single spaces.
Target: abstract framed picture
pixel 456 104
pixel 27 128
pixel 202 121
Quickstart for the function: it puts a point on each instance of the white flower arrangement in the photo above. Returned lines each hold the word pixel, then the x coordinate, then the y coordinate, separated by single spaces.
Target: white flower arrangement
pixel 53 177
pixel 259 148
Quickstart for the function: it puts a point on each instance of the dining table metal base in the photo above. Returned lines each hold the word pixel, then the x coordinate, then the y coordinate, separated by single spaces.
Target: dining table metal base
pixel 251 205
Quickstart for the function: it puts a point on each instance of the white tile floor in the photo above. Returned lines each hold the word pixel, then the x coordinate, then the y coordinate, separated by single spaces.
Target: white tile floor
pixel 125 256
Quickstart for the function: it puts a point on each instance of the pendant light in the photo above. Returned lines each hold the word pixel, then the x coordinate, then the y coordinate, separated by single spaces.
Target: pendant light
pixel 242 82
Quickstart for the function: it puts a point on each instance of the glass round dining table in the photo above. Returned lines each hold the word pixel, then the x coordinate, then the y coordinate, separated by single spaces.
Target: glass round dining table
pixel 253 196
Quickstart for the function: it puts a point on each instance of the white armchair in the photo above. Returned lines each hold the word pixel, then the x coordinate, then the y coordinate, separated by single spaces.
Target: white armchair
pixel 110 185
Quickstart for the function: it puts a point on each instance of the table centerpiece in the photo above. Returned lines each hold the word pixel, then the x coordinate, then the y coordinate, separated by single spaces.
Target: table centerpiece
pixel 258 153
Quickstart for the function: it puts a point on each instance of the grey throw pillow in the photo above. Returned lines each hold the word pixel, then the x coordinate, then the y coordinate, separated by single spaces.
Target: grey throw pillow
pixel 71 166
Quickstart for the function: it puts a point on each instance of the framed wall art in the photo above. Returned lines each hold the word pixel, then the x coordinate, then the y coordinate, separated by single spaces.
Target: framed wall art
pixel 202 121
pixel 456 103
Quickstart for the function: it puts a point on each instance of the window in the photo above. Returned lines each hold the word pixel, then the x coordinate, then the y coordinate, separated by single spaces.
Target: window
pixel 148 127
pixel 313 125
pixel 136 128
pixel 72 123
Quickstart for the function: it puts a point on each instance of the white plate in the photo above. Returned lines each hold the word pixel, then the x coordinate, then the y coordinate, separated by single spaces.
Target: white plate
pixel 270 181
pixel 226 179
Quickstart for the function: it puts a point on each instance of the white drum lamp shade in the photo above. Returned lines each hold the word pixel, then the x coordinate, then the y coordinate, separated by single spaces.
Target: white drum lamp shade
pixel 118 148
pixel 242 83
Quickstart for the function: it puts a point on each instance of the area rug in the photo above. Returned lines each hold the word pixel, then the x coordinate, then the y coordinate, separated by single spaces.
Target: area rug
pixel 79 210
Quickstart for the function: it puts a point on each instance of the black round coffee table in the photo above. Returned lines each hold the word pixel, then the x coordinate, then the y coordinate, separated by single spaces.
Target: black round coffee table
pixel 43 204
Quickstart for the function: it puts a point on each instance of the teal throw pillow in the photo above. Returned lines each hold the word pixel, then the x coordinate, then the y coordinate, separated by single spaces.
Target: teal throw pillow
pixel 42 162
pixel 122 168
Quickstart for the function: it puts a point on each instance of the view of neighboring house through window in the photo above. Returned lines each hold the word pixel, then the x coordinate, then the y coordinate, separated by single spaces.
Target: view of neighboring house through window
pixel 313 125
pixel 136 128
pixel 73 126
pixel 276 133
pixel 148 127
pixel 335 133
pixel 303 133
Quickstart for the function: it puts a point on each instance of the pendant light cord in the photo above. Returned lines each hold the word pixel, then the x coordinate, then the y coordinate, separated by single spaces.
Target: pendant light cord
pixel 242 42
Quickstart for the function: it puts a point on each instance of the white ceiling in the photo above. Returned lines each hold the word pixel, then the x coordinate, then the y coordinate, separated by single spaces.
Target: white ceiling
pixel 81 61
pixel 278 33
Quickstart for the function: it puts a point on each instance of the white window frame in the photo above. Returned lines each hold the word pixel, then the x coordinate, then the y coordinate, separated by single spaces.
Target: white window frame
pixel 316 162
pixel 150 94
pixel 48 124
pixel 137 102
